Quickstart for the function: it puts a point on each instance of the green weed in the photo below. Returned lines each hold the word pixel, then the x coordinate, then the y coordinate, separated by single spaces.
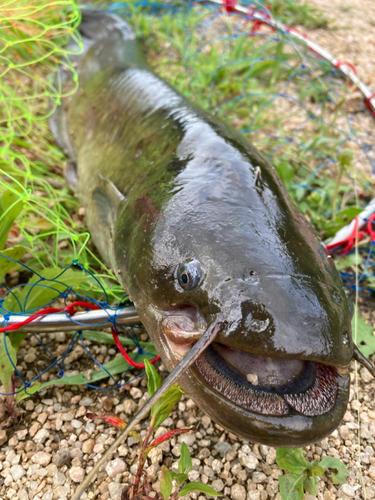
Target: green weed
pixel 304 476
pixel 295 12
pixel 168 479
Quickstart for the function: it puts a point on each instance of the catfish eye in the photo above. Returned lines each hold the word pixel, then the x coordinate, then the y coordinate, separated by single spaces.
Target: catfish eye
pixel 189 274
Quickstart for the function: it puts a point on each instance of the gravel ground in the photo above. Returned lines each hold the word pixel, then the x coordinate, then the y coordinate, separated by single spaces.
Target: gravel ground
pixel 52 450
pixel 53 446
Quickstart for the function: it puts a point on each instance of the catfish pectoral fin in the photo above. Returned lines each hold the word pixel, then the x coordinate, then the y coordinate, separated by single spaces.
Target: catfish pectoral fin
pixel 70 174
pixel 104 204
pixel 358 356
pixel 107 200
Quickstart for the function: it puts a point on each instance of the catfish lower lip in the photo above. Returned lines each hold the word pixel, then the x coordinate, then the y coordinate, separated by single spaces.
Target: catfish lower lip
pixel 308 388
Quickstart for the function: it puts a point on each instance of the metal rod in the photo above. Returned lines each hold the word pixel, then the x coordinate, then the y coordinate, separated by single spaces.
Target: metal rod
pixel 92 320
pixel 206 339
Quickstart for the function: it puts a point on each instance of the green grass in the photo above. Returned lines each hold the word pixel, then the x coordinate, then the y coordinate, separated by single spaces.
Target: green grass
pixel 34 37
pixel 296 12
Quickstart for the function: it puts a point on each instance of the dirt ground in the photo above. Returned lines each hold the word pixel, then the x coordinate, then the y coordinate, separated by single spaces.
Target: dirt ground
pixel 351 33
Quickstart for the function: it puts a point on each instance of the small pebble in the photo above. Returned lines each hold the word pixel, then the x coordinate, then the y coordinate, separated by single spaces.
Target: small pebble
pixel 67 417
pixel 136 393
pixel 3 436
pixel 248 460
pixel 218 485
pixel 271 456
pixel 129 406
pixel 238 492
pixel 222 447
pixel 62 457
pixel 42 458
pixel 34 429
pixel 17 472
pixel 348 490
pixel 77 474
pixel 115 467
pixel 259 477
pixel 115 490
pixel 366 375
pixel 88 446
pixel 29 405
pixel 99 448
pixel 76 424
pixel 30 358
pixel 253 495
pixel 188 439
pixel 41 436
pixel 86 401
pixel 21 435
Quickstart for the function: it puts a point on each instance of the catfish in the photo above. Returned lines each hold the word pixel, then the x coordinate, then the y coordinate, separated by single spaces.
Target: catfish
pixel 197 225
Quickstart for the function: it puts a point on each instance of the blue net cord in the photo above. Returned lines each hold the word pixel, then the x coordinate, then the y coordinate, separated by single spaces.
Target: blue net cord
pixel 30 293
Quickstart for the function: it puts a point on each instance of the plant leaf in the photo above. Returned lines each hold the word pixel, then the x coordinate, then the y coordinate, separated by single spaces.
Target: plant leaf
pixel 178 477
pixel 162 408
pixel 7 214
pixel 153 378
pixel 7 265
pixel 317 470
pixel 197 486
pixel 354 259
pixel 16 338
pixel 286 172
pixel 117 365
pixel 292 460
pixel 185 464
pixel 166 484
pixel 339 471
pixel 10 303
pixel 311 484
pixel 23 394
pixel 107 338
pixel 340 219
pixel 7 355
pixel 363 334
pixel 49 288
pixel 291 486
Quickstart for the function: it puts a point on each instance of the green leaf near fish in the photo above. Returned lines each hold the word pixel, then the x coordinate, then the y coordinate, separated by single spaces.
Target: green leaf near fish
pixel 363 334
pixel 303 476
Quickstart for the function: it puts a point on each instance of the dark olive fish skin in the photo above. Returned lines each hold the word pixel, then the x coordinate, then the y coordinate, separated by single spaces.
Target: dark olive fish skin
pixel 166 185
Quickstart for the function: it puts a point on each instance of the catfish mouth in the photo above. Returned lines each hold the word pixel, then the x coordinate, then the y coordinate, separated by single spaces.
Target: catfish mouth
pixel 264 385
pixel 269 386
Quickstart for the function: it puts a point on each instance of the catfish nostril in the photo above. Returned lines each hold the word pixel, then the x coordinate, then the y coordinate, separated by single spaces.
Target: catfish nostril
pixel 251 277
pixel 255 317
pixel 346 339
pixel 351 307
pixel 258 325
pixel 336 297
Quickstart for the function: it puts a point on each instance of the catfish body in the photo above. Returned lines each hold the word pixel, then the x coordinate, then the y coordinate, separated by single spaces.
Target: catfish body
pixel 197 224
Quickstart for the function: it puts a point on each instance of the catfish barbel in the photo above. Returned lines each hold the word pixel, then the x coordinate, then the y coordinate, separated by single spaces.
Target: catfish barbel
pixel 197 225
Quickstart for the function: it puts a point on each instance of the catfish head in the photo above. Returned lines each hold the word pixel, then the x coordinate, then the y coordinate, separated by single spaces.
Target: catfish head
pixel 226 241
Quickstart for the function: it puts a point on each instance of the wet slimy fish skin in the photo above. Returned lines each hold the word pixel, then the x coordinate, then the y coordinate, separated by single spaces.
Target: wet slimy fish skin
pixel 197 224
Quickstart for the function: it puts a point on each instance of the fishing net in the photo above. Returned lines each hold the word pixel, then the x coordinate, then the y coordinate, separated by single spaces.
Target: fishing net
pixel 299 109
